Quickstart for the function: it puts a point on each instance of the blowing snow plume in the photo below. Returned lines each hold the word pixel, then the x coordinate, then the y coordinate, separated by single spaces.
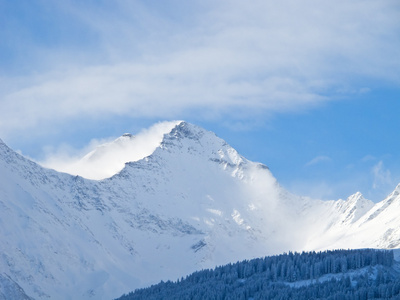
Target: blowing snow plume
pixel 107 159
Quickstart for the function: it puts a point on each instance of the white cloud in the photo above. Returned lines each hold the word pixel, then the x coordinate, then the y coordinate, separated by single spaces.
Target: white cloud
pixel 368 158
pixel 318 160
pixel 382 177
pixel 316 189
pixel 105 158
pixel 232 59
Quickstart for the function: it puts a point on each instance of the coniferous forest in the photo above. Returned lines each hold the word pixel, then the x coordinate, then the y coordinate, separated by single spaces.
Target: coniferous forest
pixel 339 274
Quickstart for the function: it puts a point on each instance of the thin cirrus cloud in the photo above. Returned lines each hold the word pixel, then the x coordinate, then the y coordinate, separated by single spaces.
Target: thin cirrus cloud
pixel 207 59
pixel 317 160
pixel 382 177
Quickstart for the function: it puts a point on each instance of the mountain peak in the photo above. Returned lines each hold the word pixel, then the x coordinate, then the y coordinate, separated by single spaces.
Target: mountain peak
pixel 192 139
pixel 187 130
pixel 354 207
pixel 109 158
pixel 355 198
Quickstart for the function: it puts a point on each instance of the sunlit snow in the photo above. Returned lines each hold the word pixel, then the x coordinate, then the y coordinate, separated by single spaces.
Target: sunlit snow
pixel 108 159
pixel 192 203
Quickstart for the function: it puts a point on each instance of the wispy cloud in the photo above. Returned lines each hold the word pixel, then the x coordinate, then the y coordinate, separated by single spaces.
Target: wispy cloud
pixel 318 160
pixel 368 158
pixel 382 177
pixel 104 158
pixel 206 59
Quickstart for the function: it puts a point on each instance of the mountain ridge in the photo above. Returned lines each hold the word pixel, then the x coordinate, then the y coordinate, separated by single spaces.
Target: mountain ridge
pixel 193 203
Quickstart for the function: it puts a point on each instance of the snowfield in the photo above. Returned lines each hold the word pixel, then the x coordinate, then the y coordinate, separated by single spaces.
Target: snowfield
pixel 186 202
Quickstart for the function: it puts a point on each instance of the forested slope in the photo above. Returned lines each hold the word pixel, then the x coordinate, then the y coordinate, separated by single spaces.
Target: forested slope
pixel 339 274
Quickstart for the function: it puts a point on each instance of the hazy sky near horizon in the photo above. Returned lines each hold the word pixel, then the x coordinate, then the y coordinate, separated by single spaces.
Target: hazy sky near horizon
pixel 309 88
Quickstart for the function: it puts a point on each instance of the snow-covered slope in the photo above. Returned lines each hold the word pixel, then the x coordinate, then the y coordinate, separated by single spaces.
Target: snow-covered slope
pixel 107 159
pixel 193 203
pixel 378 227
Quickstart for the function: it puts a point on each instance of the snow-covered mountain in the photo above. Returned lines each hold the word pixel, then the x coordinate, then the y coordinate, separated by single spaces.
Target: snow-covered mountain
pixel 108 158
pixel 192 203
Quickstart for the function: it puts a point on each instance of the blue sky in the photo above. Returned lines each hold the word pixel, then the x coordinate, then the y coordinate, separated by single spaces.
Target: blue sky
pixel 309 88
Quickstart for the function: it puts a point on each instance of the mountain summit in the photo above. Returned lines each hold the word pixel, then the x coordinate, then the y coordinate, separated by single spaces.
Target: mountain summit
pixel 188 202
pixel 108 158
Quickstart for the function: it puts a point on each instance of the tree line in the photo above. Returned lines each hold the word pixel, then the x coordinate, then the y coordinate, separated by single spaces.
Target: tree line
pixel 357 274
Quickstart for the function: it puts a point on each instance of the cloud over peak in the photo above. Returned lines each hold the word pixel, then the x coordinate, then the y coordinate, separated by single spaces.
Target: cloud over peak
pixel 101 159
